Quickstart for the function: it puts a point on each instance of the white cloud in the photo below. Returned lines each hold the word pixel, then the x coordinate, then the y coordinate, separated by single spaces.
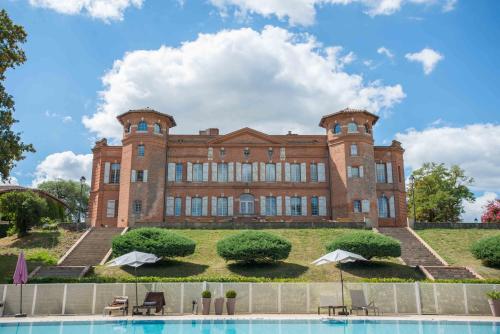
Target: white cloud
pixel 473 147
pixel 65 165
pixel 106 10
pixel 475 209
pixel 238 78
pixel 449 5
pixel 303 12
pixel 64 119
pixel 427 57
pixel 10 181
pixel 385 51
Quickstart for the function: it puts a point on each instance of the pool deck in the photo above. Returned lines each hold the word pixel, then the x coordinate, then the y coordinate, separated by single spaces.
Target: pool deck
pixel 59 318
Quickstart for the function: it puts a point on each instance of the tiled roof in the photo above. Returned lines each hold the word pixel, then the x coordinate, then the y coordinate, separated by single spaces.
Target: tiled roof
pixel 147 109
pixel 348 111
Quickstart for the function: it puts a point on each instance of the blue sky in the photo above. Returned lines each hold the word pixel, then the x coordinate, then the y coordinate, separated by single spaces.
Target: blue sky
pixel 274 66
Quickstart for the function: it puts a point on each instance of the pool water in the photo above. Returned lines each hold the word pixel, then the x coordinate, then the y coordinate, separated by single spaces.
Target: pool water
pixel 253 327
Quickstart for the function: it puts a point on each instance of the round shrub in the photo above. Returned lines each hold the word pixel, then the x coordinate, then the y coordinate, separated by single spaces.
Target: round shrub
pixel 158 241
pixel 254 246
pixel 488 250
pixel 367 244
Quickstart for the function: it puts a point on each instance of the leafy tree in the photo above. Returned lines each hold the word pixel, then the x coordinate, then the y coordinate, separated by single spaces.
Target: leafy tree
pixel 69 192
pixel 24 208
pixel 12 149
pixel 439 193
pixel 492 212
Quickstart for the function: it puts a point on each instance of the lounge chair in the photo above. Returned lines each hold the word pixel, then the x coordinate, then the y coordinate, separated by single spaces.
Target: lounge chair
pixel 327 302
pixel 152 300
pixel 119 303
pixel 358 302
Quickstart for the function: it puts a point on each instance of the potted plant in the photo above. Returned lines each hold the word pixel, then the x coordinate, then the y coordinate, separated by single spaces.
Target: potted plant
pixel 231 301
pixel 494 301
pixel 206 300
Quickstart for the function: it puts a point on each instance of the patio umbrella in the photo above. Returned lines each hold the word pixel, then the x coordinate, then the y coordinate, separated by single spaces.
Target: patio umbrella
pixel 21 277
pixel 339 256
pixel 133 259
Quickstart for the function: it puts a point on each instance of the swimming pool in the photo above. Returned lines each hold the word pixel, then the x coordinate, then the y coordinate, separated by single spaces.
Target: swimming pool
pixel 253 327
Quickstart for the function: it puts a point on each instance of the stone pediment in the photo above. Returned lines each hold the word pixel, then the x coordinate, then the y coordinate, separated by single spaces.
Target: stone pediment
pixel 246 136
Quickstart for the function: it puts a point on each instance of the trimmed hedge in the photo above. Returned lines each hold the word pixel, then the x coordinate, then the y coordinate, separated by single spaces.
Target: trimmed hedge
pixel 158 241
pixel 488 250
pixel 367 244
pixel 254 246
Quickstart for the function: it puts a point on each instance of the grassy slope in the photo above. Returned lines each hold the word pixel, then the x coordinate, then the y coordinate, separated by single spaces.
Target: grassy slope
pixel 454 245
pixel 55 242
pixel 308 244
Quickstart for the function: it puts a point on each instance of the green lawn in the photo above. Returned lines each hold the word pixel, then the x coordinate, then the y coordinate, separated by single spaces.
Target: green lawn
pixel 54 243
pixel 308 244
pixel 454 247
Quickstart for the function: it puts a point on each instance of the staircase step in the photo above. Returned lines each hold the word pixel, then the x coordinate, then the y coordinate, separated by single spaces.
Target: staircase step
pixel 61 271
pixel 447 272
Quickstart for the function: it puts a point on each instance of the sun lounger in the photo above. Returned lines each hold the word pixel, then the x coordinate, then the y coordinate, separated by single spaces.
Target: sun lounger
pixel 119 303
pixel 358 302
pixel 153 300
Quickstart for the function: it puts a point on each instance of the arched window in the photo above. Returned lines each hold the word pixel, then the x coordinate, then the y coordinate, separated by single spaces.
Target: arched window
pixel 367 128
pixel 337 129
pixel 246 204
pixel 142 126
pixel 383 207
pixel 127 128
pixel 352 127
pixel 157 128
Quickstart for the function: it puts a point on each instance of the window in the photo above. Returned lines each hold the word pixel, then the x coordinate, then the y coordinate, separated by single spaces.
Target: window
pixel 222 206
pixel 354 150
pixel 352 127
pixel 140 150
pixel 296 205
pixel 357 206
pixel 367 128
pixel 137 207
pixel 270 173
pixel 115 173
pixel 295 172
pixel 381 173
pixel 140 176
pixel 246 204
pixel 157 128
pixel 383 207
pixel 197 172
pixel 246 172
pixel 127 128
pixel 142 126
pixel 337 129
pixel 110 209
pixel 178 172
pixel 270 206
pixel 196 206
pixel 222 172
pixel 314 172
pixel 354 171
pixel 315 206
pixel 177 206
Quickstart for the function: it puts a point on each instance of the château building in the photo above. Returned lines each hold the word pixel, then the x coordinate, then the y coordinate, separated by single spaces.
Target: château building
pixel 158 177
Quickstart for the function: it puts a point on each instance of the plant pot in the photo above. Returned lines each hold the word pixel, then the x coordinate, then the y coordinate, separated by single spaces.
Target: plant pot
pixel 205 305
pixel 231 305
pixel 219 305
pixel 495 307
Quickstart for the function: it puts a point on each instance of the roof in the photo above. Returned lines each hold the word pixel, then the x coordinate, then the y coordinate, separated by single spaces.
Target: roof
pixel 147 109
pixel 349 111
pixel 8 188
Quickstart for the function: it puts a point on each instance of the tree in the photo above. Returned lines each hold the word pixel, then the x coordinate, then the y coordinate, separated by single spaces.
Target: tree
pixel 439 192
pixel 24 208
pixel 492 212
pixel 12 149
pixel 69 192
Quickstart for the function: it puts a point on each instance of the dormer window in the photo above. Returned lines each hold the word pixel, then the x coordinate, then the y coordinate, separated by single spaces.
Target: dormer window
pixel 157 128
pixel 142 126
pixel 352 127
pixel 337 129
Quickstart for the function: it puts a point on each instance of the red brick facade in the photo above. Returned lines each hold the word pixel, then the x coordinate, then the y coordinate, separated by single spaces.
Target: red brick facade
pixel 247 175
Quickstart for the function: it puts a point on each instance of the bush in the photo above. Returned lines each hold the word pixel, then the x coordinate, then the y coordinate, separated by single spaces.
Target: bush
pixel 493 295
pixel 41 256
pixel 231 294
pixel 161 242
pixel 488 250
pixel 254 246
pixel 48 224
pixel 367 244
pixel 206 294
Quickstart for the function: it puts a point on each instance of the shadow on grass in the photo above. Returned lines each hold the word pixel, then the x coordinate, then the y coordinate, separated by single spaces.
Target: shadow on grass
pixel 168 268
pixel 381 269
pixel 38 239
pixel 268 270
pixel 8 266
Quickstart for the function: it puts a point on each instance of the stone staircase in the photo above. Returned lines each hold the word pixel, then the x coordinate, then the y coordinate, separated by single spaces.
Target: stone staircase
pixel 415 252
pixel 90 250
